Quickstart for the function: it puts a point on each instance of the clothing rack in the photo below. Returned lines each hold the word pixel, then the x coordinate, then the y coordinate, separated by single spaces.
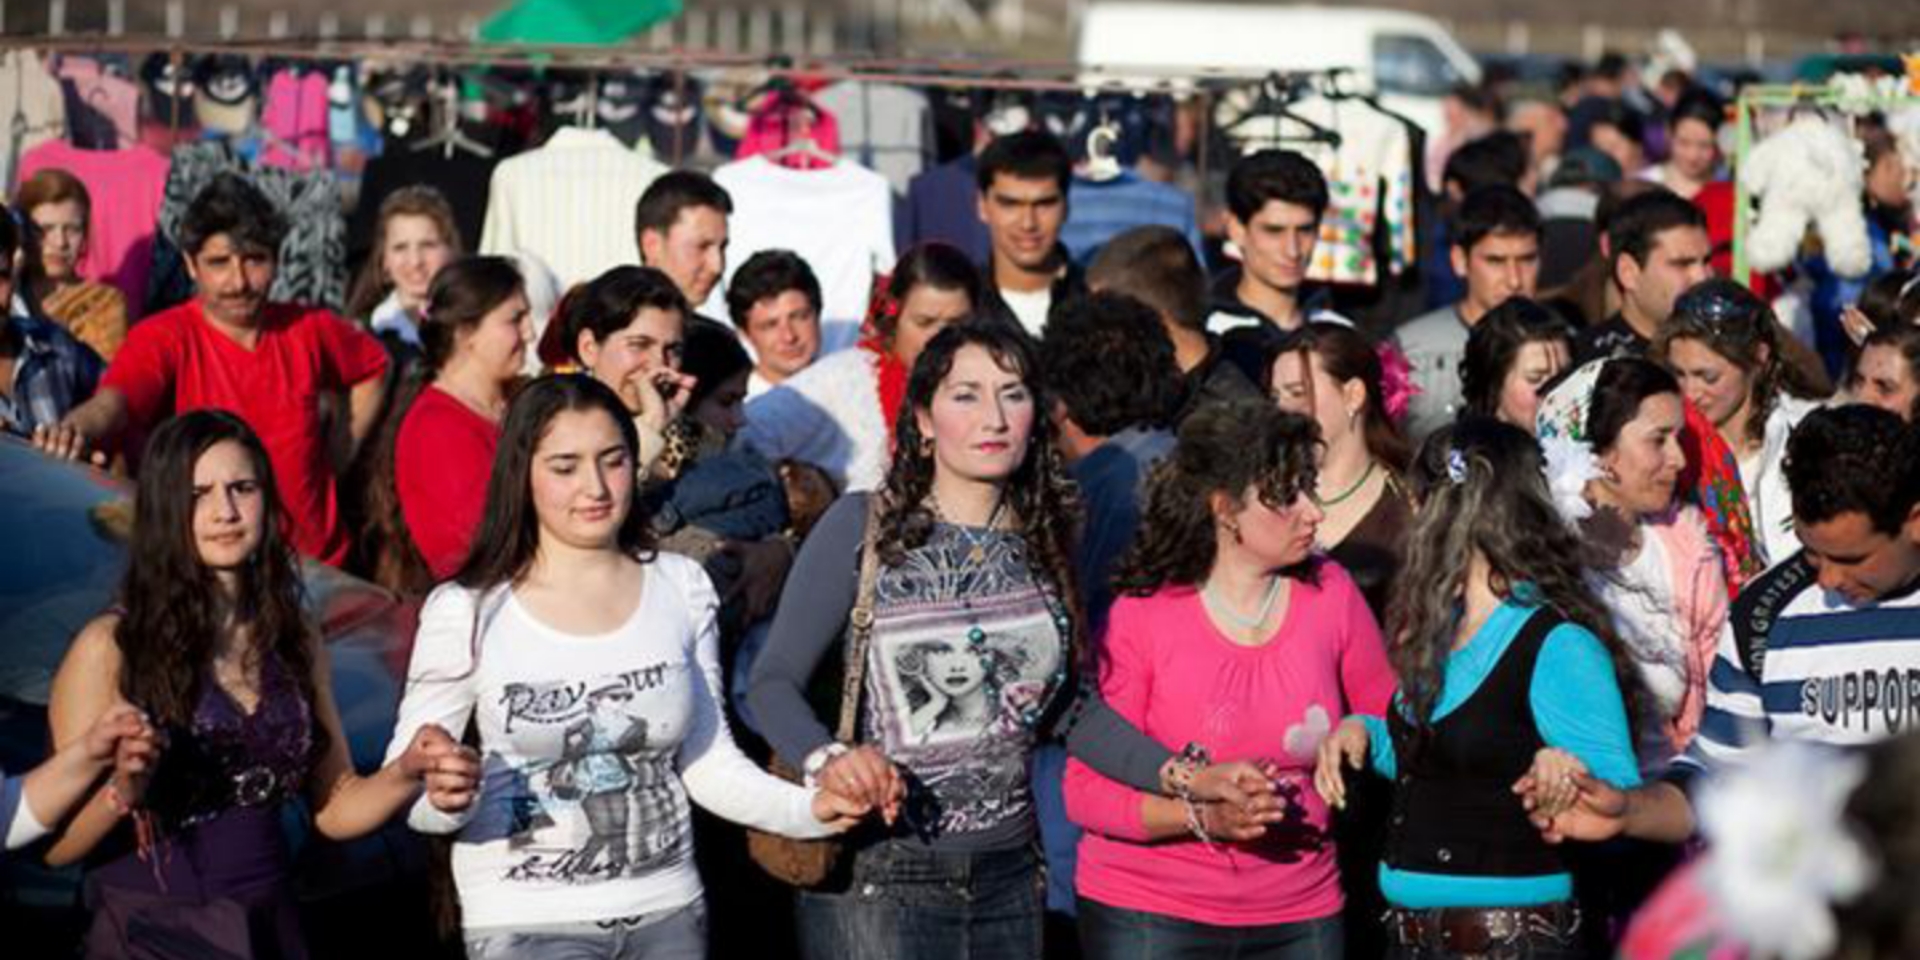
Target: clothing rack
pixel 1761 97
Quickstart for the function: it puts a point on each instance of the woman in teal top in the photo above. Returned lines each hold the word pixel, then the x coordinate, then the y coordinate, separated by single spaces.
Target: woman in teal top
pixel 1508 666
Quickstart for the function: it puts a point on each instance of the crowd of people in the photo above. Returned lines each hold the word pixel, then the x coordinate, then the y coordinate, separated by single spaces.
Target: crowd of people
pixel 1104 606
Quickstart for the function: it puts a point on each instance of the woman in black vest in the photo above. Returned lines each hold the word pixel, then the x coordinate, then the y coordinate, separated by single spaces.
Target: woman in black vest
pixel 1503 651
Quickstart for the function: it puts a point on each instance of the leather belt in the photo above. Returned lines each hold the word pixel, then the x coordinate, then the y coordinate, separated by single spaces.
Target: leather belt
pixel 1472 930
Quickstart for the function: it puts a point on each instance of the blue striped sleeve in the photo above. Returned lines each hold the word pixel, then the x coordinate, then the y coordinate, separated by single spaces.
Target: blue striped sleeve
pixel 1577 705
pixel 1735 719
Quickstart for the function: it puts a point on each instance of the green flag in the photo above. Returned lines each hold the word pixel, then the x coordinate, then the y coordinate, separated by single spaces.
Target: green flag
pixel 576 21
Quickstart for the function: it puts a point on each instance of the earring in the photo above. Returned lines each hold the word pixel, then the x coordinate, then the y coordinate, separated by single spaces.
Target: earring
pixel 926 446
pixel 1234 529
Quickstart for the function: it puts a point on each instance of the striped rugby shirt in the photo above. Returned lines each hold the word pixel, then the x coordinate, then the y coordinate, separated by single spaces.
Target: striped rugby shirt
pixel 1797 662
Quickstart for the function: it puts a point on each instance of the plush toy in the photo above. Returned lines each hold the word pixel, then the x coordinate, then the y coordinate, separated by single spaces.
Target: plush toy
pixel 1809 172
pixel 1905 125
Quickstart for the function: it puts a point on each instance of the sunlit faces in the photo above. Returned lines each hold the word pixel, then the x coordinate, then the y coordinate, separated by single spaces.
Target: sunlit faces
pixel 785 332
pixel 582 479
pixel 692 252
pixel 926 311
pixel 1535 364
pixel 647 346
pixel 498 343
pixel 1023 218
pixel 1644 464
pixel 1276 245
pixel 1500 265
pixel 415 251
pixel 724 408
pixel 1275 536
pixel 232 282
pixel 1716 386
pixel 1302 385
pixel 1883 378
pixel 229 506
pixel 1857 561
pixel 62 228
pixel 981 418
pixel 1677 259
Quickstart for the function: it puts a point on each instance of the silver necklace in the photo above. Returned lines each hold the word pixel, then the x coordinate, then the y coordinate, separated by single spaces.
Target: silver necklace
pixel 1218 605
pixel 976 545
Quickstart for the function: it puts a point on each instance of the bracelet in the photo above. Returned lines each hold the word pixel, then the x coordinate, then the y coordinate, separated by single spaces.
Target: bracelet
pixel 1194 825
pixel 817 761
pixel 115 801
pixel 1186 766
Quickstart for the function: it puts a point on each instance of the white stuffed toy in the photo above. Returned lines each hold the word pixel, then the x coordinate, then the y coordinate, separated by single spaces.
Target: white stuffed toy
pixel 1809 172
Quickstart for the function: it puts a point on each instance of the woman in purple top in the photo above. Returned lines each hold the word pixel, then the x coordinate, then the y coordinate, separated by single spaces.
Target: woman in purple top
pixel 210 639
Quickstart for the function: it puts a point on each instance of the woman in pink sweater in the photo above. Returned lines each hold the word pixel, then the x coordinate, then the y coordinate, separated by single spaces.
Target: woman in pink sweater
pixel 1235 639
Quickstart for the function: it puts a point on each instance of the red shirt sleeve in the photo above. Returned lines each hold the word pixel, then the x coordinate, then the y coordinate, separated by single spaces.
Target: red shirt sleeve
pixel 441 468
pixel 145 370
pixel 351 356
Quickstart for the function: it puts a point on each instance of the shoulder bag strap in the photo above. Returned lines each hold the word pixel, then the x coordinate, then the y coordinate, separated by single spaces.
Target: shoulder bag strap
pixel 860 637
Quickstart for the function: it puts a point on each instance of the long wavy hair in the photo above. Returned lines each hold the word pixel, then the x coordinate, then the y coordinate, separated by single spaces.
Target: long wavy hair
pixel 170 628
pixel 372 284
pixel 462 295
pixel 1733 322
pixel 1346 355
pixel 1225 448
pixel 1501 508
pixel 1044 501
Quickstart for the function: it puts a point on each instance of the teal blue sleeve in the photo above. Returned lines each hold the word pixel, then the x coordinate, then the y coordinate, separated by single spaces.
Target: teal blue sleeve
pixel 1578 708
pixel 1380 745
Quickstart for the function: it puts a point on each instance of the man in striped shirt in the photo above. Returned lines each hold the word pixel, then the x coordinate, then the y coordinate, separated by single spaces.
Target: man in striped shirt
pixel 1825 646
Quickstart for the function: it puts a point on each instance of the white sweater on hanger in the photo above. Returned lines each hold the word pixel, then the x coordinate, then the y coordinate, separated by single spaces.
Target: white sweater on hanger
pixel 839 219
pixel 570 203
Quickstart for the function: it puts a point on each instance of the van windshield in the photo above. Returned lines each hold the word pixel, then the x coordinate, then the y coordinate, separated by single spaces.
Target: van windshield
pixel 1412 65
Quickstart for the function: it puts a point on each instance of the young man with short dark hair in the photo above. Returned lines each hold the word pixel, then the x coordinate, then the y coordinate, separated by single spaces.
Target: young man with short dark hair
pixel 1275 201
pixel 1657 246
pixel 680 224
pixel 1156 266
pixel 232 348
pixel 774 301
pixel 1023 180
pixel 1822 648
pixel 1495 245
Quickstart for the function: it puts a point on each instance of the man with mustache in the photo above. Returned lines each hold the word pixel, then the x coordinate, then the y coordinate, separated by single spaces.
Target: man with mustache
pixel 232 348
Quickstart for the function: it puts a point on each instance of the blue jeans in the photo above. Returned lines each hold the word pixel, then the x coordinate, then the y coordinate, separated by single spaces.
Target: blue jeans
pixel 668 935
pixel 907 901
pixel 1114 933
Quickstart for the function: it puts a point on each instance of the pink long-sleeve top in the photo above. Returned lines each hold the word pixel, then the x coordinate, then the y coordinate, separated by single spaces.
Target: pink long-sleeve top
pixel 1167 668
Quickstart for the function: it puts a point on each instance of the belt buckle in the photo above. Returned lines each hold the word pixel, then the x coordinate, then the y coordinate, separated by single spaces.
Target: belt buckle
pixel 254 786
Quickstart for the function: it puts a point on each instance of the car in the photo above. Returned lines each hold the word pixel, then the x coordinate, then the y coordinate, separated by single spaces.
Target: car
pixel 66 531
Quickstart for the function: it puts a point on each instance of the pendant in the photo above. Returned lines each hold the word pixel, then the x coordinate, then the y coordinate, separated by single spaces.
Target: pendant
pixel 976 635
pixel 977 555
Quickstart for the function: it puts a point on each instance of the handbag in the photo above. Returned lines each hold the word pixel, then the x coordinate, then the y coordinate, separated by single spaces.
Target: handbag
pixel 808 863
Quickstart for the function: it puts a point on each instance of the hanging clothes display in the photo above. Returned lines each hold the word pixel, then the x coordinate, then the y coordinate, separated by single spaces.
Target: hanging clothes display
pixel 570 203
pixel 295 118
pixel 943 206
pixel 33 110
pixel 313 257
pixel 838 219
pixel 103 106
pixel 126 187
pixel 1099 210
pixel 883 126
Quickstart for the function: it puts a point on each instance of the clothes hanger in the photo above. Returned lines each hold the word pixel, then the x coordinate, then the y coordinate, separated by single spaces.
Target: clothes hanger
pixel 1102 165
pixel 451 136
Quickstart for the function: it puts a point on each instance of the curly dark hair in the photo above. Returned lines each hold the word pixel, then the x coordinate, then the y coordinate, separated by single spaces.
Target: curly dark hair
pixel 171 622
pixel 230 204
pixel 462 295
pixel 1043 499
pixel 1503 511
pixel 1853 459
pixel 1224 448
pixel 1110 364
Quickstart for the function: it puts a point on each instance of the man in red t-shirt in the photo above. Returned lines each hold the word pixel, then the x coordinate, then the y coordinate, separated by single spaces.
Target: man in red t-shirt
pixel 268 363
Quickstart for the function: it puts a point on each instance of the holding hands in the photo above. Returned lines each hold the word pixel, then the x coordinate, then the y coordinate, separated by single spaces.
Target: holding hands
pixel 857 783
pixel 1346 746
pixel 448 770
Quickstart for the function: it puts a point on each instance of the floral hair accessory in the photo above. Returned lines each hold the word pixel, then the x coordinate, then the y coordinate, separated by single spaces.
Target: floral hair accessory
pixel 1456 466
pixel 1561 424
pixel 1782 853
pixel 1397 388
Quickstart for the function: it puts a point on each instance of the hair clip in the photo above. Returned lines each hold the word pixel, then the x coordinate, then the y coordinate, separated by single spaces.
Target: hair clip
pixel 1456 466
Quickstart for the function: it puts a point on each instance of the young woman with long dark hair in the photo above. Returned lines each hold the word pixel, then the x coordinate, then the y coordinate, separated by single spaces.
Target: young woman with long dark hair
pixel 1502 650
pixel 427 477
pixel 975 644
pixel 1234 633
pixel 209 637
pixel 588 664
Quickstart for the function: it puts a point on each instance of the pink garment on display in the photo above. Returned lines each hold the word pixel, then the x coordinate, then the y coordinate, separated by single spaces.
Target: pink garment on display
pixel 127 187
pixel 115 98
pixel 768 131
pixel 295 117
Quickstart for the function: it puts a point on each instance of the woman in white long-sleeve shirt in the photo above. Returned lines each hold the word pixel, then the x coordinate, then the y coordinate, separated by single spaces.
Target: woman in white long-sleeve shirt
pixel 588 663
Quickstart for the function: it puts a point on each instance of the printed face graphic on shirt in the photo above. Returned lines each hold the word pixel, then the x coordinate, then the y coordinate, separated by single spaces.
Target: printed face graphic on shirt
pixel 952 683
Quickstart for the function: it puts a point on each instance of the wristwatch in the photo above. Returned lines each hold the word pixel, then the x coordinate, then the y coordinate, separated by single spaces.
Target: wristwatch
pixel 817 761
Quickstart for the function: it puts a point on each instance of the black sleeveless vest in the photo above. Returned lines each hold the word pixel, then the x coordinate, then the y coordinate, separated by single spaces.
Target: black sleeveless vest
pixel 1454 810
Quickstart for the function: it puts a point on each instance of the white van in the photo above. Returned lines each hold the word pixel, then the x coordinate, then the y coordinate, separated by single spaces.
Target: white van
pixel 1408 59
